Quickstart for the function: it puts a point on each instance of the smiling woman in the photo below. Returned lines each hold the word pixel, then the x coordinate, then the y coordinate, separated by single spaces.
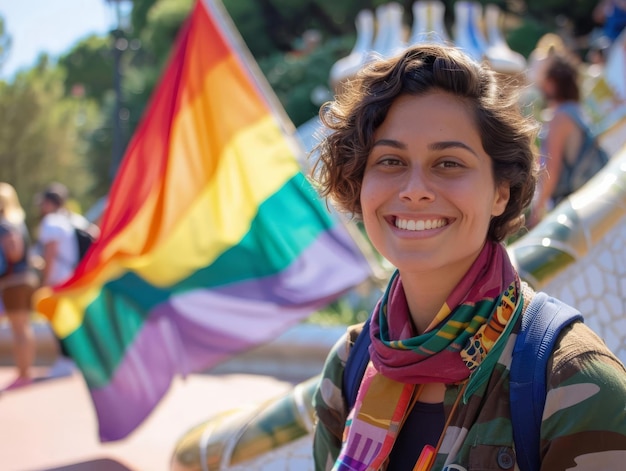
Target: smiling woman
pixel 430 150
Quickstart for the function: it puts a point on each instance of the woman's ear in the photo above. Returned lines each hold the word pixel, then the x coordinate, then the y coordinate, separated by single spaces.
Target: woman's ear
pixel 501 199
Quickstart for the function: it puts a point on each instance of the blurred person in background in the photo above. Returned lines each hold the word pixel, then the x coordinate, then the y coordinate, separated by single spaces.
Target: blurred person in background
pixel 611 14
pixel 57 236
pixel 570 152
pixel 18 281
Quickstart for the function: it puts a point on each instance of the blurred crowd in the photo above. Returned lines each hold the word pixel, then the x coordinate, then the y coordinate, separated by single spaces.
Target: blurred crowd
pixel 28 263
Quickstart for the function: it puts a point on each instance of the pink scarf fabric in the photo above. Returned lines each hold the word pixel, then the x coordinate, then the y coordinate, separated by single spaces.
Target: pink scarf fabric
pixel 484 304
pixel 434 356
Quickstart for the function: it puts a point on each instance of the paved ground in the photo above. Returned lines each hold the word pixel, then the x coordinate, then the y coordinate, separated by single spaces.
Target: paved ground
pixel 51 425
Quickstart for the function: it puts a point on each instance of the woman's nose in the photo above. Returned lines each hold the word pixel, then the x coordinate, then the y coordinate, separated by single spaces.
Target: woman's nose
pixel 416 187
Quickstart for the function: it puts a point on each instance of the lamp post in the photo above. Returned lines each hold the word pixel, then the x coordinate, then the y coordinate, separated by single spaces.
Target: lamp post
pixel 121 10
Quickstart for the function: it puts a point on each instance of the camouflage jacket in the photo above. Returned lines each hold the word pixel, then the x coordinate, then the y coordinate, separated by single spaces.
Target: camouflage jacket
pixel 583 426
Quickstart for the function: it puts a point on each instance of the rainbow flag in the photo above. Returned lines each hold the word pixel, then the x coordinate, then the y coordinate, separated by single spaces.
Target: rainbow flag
pixel 213 241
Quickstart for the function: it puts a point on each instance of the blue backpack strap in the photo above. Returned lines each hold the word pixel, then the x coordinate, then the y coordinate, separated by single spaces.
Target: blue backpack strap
pixel 357 361
pixel 542 323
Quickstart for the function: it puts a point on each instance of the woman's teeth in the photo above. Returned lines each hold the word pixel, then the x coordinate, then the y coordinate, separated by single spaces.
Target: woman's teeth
pixel 420 224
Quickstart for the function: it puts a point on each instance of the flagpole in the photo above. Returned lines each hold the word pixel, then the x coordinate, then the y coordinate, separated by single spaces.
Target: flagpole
pixel 218 10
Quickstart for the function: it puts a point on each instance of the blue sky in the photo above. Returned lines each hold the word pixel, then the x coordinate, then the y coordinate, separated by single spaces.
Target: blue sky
pixel 51 26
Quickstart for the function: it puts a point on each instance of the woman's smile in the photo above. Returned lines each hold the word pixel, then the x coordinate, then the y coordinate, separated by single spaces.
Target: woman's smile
pixel 420 224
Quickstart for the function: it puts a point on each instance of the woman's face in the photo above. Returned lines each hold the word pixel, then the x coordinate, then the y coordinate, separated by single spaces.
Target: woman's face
pixel 428 191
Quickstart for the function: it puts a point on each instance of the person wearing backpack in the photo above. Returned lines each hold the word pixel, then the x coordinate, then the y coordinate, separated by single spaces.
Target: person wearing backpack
pixel 58 235
pixel 18 282
pixel 571 151
pixel 430 150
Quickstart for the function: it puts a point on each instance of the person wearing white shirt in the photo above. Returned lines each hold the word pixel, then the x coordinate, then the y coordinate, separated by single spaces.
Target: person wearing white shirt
pixel 57 237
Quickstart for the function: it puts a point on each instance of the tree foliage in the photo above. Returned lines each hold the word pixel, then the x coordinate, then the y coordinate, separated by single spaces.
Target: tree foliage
pixel 56 120
pixel 5 42
pixel 89 68
pixel 42 133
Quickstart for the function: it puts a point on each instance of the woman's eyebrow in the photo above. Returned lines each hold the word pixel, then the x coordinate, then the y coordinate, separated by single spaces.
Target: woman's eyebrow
pixel 390 143
pixel 443 145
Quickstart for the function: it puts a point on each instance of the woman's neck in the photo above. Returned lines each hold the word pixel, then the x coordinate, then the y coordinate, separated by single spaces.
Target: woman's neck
pixel 425 295
pixel 427 291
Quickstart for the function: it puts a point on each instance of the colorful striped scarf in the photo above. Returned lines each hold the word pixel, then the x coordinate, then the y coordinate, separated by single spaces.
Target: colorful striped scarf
pixel 483 306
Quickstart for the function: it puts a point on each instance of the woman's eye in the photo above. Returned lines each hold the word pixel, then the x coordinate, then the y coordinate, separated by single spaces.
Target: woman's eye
pixel 389 161
pixel 449 164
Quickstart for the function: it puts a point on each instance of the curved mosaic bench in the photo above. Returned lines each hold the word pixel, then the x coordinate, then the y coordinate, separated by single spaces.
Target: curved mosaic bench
pixel 274 435
pixel 577 253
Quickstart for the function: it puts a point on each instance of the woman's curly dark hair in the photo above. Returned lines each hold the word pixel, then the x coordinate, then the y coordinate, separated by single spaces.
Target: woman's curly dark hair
pixel 508 136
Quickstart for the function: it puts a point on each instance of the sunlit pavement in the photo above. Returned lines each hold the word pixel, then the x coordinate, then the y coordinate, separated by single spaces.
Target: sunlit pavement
pixel 51 425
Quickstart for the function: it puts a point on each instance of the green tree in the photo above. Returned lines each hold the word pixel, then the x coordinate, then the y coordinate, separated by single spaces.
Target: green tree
pixel 41 134
pixel 5 42
pixel 89 68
